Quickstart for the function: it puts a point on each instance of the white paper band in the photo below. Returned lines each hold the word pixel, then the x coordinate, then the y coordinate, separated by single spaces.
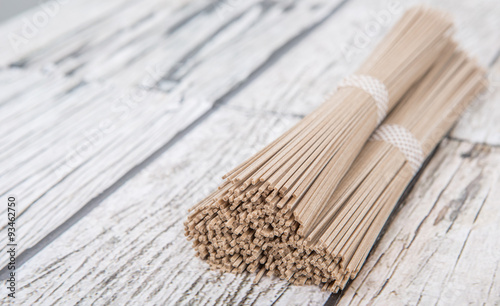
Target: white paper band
pixel 373 87
pixel 402 139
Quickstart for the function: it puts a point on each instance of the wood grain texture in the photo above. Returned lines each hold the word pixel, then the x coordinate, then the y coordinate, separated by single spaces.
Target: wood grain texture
pixel 132 248
pixel 474 27
pixel 79 137
pixel 266 65
pixel 441 247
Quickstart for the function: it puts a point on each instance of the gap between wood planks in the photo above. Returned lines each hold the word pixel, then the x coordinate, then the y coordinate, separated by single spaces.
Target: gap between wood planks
pixel 89 206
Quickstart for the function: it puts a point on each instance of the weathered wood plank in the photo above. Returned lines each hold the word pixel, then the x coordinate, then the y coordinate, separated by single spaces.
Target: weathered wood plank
pixel 153 253
pixel 154 35
pixel 131 248
pixel 56 171
pixel 442 246
pixel 70 167
pixel 139 268
pixel 42 25
pixel 477 30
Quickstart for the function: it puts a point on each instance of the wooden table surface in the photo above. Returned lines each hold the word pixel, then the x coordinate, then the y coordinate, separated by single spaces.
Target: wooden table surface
pixel 119 115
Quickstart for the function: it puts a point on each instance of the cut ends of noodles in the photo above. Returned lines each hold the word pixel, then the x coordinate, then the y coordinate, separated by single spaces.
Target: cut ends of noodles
pixel 310 205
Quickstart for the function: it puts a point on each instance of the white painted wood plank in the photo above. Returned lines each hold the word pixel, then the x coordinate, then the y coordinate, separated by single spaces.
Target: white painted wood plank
pixel 64 157
pixel 42 25
pixel 131 248
pixel 113 50
pixel 442 246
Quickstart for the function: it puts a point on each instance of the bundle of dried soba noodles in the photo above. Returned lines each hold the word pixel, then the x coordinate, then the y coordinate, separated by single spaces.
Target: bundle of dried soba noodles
pixel 354 215
pixel 268 215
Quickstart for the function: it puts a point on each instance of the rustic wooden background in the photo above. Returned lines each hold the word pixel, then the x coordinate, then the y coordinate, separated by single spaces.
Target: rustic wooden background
pixel 118 115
